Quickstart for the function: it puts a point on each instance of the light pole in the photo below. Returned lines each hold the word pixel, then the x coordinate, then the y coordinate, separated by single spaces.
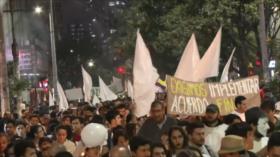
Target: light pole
pixel 53 53
pixel 39 10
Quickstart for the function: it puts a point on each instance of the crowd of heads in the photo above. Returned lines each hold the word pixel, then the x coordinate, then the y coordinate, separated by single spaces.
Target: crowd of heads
pixel 53 133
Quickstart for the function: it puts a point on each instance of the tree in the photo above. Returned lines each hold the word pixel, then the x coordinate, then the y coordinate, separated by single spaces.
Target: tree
pixel 167 25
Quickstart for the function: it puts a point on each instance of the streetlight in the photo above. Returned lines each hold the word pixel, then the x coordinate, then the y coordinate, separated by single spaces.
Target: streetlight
pixel 38 10
pixel 91 63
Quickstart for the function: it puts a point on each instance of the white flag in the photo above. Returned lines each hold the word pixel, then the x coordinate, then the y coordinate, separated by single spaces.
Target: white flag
pixel 63 103
pixel 145 76
pixel 224 77
pixel 105 93
pixel 95 100
pixel 209 63
pixel 87 86
pixel 3 108
pixel 51 101
pixel 116 85
pixel 129 89
pixel 188 62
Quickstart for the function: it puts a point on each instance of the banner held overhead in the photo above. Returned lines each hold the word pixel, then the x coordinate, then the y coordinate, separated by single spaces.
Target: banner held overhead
pixel 191 98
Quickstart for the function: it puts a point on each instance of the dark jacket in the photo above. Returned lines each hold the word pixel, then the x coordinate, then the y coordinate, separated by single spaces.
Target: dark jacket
pixel 152 132
pixel 197 151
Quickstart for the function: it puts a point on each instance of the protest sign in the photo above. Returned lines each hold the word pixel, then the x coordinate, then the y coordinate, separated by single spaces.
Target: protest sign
pixel 192 98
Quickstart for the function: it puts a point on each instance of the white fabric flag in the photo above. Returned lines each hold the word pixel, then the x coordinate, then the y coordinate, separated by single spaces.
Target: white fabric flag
pixel 145 76
pixel 3 108
pixel 188 62
pixel 105 93
pixel 117 84
pixel 209 63
pixel 95 100
pixel 63 103
pixel 51 101
pixel 129 89
pixel 87 86
pixel 224 77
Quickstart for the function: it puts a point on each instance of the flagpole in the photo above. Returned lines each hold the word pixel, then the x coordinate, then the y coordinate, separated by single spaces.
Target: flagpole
pixel 53 53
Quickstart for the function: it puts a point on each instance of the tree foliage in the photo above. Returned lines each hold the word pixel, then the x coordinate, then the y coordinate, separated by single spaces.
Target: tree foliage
pixel 166 26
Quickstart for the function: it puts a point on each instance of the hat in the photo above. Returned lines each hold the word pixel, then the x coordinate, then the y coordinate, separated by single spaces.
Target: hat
pixel 232 144
pixel 212 108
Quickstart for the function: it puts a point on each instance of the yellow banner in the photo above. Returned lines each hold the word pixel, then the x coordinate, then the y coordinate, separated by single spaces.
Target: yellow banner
pixel 191 98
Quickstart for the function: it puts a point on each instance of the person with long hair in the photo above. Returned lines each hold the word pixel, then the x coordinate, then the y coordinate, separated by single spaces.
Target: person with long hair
pixel 178 140
pixel 36 133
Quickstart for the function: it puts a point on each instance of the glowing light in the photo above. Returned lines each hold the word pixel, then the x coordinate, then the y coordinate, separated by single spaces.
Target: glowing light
pixel 38 10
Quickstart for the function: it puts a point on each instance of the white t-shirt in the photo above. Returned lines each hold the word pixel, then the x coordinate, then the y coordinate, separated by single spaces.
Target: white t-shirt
pixel 260 144
pixel 214 135
pixel 241 115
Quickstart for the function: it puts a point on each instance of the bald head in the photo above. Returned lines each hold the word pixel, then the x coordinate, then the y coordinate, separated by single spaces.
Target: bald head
pixel 119 151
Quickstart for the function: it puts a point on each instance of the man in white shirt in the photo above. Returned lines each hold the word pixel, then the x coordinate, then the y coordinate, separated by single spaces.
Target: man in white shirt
pixel 241 107
pixel 214 127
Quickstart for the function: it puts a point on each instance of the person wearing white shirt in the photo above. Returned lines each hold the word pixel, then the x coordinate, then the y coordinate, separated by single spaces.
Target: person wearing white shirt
pixel 214 128
pixel 241 107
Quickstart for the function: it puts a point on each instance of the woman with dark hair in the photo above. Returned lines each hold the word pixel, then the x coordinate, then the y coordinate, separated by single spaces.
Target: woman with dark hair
pixel 178 140
pixel 36 133
pixel 158 150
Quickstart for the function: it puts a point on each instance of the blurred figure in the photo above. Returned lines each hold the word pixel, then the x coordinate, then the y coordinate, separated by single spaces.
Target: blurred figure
pixel 93 152
pixel 158 123
pixel 231 119
pixel 36 133
pixel 114 120
pixel 21 130
pixel 77 126
pixel 140 147
pixel 10 130
pixel 158 150
pixel 268 107
pixel 259 122
pixel 120 137
pixel 34 120
pixel 214 127
pixel 25 148
pixel 61 139
pixel 64 154
pixel 178 140
pixel 273 146
pixel 45 145
pixel 241 107
pixel 196 132
pixel 3 144
pixel 245 131
pixel 118 151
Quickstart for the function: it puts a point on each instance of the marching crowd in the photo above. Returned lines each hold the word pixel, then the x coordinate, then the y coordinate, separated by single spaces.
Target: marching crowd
pixel 46 132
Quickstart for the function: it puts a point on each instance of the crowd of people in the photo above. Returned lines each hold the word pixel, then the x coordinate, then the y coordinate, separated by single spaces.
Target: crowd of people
pixel 47 132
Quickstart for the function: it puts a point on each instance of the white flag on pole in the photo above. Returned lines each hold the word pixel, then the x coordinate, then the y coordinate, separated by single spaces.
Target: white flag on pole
pixel 95 100
pixel 129 89
pixel 105 93
pixel 188 62
pixel 209 63
pixel 116 85
pixel 145 76
pixel 87 86
pixel 63 103
pixel 224 77
pixel 51 101
pixel 3 108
